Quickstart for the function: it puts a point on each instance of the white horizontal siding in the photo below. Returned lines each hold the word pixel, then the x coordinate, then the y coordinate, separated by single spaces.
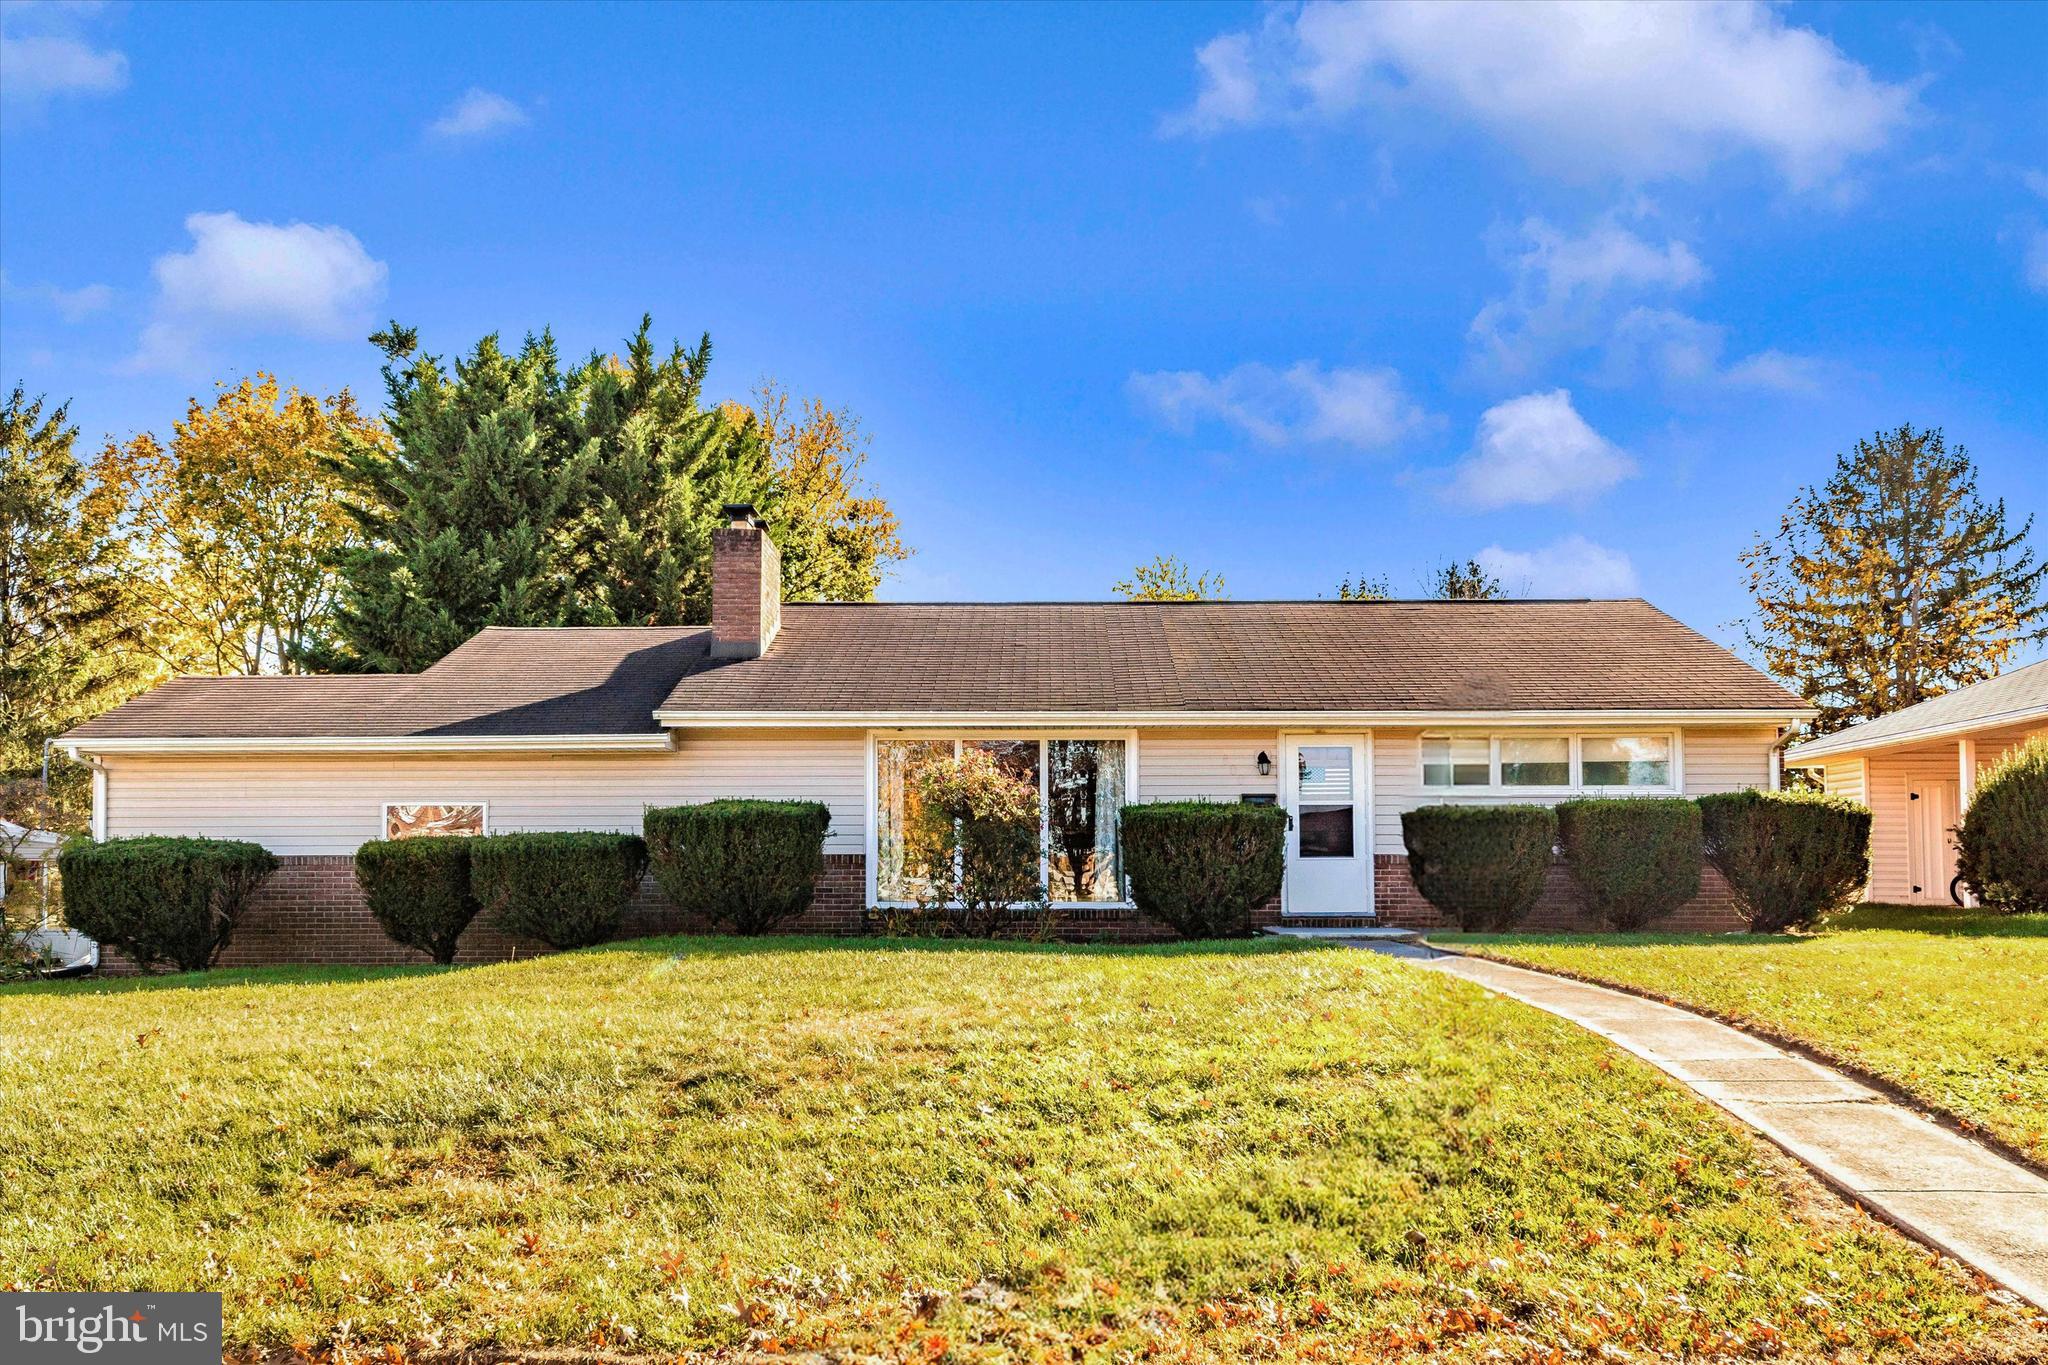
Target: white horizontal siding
pixel 1727 760
pixel 1205 765
pixel 1891 782
pixel 334 803
pixel 1845 778
pixel 1712 759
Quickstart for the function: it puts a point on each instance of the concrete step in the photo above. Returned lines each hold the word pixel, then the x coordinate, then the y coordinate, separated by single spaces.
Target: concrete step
pixel 1368 932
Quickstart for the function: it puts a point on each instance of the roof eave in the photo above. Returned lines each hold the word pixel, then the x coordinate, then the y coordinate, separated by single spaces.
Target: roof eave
pixel 1124 719
pixel 358 744
pixel 1845 742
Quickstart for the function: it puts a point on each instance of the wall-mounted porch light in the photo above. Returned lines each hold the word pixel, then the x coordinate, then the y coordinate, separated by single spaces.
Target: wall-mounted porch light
pixel 1265 765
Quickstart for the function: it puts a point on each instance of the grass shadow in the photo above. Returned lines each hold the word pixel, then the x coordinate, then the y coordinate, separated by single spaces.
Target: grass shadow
pixel 1933 920
pixel 665 946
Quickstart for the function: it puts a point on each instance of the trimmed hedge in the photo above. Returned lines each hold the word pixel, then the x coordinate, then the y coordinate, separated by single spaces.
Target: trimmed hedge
pixel 1203 868
pixel 161 899
pixel 2002 843
pixel 1634 859
pixel 419 891
pixel 569 890
pixel 746 866
pixel 1790 857
pixel 1482 865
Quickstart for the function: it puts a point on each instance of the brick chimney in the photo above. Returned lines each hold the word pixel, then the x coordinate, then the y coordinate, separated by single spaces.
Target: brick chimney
pixel 746 585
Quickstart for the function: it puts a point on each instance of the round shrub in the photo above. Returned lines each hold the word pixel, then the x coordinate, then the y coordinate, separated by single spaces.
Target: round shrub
pixel 746 866
pixel 1481 865
pixel 1634 859
pixel 418 890
pixel 1204 868
pixel 161 899
pixel 1791 858
pixel 569 890
pixel 2002 843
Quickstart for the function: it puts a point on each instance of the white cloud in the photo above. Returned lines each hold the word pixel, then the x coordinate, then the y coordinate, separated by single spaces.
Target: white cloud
pixel 243 278
pixel 1303 405
pixel 2036 261
pixel 1567 288
pixel 44 54
pixel 1572 567
pixel 1682 350
pixel 73 305
pixel 1775 369
pixel 1579 86
pixel 478 113
pixel 1537 449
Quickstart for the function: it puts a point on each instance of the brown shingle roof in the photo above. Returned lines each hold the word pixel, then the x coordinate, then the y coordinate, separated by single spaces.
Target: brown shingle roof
pixel 503 682
pixel 991 657
pixel 1231 656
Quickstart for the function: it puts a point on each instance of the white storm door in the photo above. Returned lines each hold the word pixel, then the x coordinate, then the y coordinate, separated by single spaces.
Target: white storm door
pixel 1329 848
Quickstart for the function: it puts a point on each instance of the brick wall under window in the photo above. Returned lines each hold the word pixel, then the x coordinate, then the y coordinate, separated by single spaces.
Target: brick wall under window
pixel 311 912
pixel 1558 909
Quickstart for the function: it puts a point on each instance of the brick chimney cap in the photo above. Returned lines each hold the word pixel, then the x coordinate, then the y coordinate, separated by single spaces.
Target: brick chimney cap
pixel 740 514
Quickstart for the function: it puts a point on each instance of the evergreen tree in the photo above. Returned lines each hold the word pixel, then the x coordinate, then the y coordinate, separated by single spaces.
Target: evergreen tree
pixel 518 493
pixel 462 519
pixel 639 550
pixel 1893 582
pixel 70 635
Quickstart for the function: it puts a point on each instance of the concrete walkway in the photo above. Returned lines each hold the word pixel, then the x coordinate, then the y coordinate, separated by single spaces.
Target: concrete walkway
pixel 1935 1185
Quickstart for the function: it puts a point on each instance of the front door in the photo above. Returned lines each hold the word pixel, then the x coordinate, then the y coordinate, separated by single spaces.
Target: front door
pixel 1329 848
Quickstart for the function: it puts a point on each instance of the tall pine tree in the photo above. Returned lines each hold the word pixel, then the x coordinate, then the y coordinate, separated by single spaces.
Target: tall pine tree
pixel 661 466
pixel 521 494
pixel 462 519
pixel 71 633
pixel 1893 582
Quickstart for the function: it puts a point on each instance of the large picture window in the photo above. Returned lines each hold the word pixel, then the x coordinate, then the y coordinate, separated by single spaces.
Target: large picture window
pixel 1082 785
pixel 1550 763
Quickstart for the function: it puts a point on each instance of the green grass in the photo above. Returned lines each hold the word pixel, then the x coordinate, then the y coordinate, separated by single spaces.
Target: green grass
pixel 1949 1005
pixel 928 1152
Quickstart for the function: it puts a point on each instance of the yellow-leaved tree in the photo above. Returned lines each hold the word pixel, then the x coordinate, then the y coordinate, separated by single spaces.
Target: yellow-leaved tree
pixel 836 535
pixel 1169 579
pixel 237 521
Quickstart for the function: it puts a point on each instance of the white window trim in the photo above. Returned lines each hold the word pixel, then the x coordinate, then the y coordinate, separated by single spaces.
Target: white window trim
pixel 1576 787
pixel 384 813
pixel 872 841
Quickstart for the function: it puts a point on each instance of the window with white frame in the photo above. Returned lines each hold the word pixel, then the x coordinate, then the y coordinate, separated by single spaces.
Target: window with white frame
pixel 1550 763
pixel 1625 761
pixel 1082 784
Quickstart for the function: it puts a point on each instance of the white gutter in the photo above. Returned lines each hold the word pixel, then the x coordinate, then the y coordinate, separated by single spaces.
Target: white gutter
pixel 355 744
pixel 683 720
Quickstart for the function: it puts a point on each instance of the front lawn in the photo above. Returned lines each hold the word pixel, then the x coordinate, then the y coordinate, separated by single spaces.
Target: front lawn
pixel 1949 1005
pixel 931 1153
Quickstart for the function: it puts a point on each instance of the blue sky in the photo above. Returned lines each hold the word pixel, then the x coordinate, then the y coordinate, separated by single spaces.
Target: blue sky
pixel 1293 293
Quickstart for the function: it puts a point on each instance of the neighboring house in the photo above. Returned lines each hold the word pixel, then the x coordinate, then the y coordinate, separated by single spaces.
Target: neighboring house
pixel 1917 768
pixel 1346 713
pixel 20 844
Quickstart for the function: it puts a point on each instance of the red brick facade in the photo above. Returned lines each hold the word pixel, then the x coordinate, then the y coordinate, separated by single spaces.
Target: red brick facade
pixel 312 912
pixel 1558 910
